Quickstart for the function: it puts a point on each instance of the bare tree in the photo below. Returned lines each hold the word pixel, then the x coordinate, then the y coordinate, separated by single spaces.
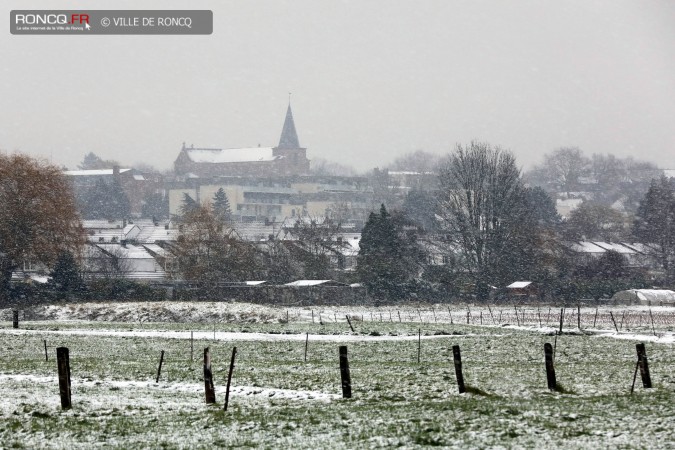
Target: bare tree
pixel 38 216
pixel 106 261
pixel 317 242
pixel 210 252
pixel 321 166
pixel 418 161
pixel 561 169
pixel 481 199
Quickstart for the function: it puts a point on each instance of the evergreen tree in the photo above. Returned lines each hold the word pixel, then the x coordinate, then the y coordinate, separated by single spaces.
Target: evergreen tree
pixel 655 222
pixel 66 273
pixel 541 206
pixel 389 257
pixel 156 206
pixel 189 205
pixel 221 206
pixel 106 201
pixel 95 205
pixel 420 207
pixel 92 161
pixel 119 206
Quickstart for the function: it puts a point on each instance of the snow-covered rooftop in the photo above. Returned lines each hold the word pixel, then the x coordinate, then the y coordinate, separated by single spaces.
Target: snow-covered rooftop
pixel 128 251
pixel 157 250
pixel 92 172
pixel 101 223
pixel 228 155
pixel 586 247
pixel 151 234
pixel 616 247
pixel 569 202
pixel 646 296
pixel 519 284
pixel 314 283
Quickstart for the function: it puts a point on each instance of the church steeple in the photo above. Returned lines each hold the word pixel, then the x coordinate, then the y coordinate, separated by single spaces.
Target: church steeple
pixel 289 137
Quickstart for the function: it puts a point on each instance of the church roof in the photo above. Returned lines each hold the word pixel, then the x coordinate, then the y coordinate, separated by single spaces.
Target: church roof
pixel 229 155
pixel 289 137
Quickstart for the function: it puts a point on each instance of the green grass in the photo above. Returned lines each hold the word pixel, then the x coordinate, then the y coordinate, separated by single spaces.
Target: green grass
pixel 396 401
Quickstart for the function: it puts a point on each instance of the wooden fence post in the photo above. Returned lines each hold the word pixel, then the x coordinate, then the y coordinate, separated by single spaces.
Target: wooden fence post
pixel 399 315
pixel 491 316
pixel 515 308
pixel 306 345
pixel 349 322
pixel 63 364
pixel 596 316
pixel 457 357
pixel 579 316
pixel 613 321
pixel 344 373
pixel 652 319
pixel 550 370
pixel 562 315
pixel 229 378
pixel 159 368
pixel 15 318
pixel 644 367
pixel 46 354
pixel 419 345
pixel 209 391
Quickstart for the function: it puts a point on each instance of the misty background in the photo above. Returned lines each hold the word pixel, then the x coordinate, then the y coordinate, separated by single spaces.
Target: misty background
pixel 370 81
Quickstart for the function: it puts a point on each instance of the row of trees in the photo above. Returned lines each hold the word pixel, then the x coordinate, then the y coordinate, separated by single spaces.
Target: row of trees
pixel 494 230
pixel 609 178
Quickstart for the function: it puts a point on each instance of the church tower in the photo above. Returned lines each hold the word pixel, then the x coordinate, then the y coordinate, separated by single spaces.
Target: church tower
pixel 294 158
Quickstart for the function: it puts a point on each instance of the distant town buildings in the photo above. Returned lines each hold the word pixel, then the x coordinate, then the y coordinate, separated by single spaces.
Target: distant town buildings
pixel 267 183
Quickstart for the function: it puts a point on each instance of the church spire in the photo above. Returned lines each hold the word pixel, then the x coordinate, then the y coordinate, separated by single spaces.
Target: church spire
pixel 289 137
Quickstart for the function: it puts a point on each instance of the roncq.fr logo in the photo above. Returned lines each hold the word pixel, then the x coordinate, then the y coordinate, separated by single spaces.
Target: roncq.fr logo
pixel 51 19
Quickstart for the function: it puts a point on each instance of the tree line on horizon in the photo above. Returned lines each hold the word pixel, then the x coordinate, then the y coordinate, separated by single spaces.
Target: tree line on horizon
pixel 489 227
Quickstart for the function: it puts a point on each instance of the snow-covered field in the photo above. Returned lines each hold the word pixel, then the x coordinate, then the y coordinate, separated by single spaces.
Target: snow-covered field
pixel 280 400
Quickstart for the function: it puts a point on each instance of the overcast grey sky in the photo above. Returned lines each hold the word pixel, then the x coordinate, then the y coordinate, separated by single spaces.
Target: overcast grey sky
pixel 371 80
